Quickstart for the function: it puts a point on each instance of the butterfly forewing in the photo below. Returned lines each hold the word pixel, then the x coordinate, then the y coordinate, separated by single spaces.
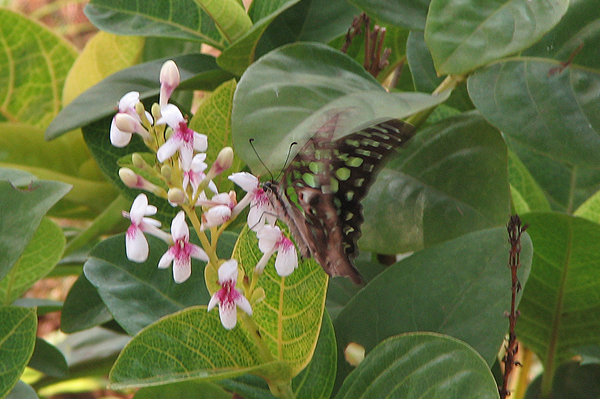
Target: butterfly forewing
pixel 320 193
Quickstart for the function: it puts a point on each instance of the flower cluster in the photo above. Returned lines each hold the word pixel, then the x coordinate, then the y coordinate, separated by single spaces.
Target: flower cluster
pixel 178 173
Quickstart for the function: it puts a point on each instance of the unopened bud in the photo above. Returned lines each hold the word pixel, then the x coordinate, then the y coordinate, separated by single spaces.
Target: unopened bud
pixel 166 171
pixel 169 80
pixel 223 162
pixel 176 196
pixel 156 111
pixel 133 180
pixel 139 109
pixel 138 161
pixel 354 353
pixel 128 123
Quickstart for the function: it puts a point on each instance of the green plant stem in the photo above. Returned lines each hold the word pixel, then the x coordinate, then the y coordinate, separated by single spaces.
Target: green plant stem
pixel 212 255
pixel 282 390
pixel 449 83
pixel 108 219
pixel 253 329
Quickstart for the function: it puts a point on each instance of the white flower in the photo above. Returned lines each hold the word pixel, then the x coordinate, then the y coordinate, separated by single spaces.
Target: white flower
pixel 169 80
pixel 181 252
pixel 127 121
pixel 271 240
pixel 220 209
pixel 261 209
pixel 194 174
pixel 183 138
pixel 228 297
pixel 136 244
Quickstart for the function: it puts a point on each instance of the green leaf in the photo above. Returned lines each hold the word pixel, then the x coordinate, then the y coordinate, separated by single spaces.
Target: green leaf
pixel 316 380
pixel 43 306
pixel 241 53
pixel 590 209
pixel 138 294
pixel 21 212
pixel 103 55
pixel 421 365
pixel 213 118
pixel 33 66
pixel 203 21
pixel 66 159
pixel 286 96
pixel 39 258
pixel 523 182
pixel 459 288
pixel 198 71
pixel 578 27
pixel 22 391
pixel 449 180
pixel 559 306
pixel 407 14
pixel 557 116
pixel 290 316
pixel 48 359
pixel 17 339
pixel 572 381
pixel 83 307
pixel 486 32
pixel 187 390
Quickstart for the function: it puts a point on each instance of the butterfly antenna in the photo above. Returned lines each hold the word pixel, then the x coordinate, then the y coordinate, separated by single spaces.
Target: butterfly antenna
pixel 251 141
pixel 287 158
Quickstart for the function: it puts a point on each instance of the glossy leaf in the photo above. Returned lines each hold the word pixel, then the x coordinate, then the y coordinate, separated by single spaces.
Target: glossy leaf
pixel 203 21
pixel 138 294
pixel 43 306
pixel 103 55
pixel 48 359
pixel 450 179
pixel 486 32
pixel 213 118
pixel 22 391
pixel 460 288
pixel 421 365
pixel 21 212
pixel 286 97
pixel 17 339
pixel 39 258
pixel 198 71
pixel 83 307
pixel 187 390
pixel 240 54
pixel 559 307
pixel 407 14
pixel 557 115
pixel 33 67
pixel 578 27
pixel 523 183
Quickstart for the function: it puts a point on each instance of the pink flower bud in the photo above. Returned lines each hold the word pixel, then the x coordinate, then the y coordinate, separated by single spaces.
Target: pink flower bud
pixel 169 80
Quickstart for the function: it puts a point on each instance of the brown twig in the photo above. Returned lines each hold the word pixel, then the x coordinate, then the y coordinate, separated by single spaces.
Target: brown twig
pixel 515 230
pixel 355 30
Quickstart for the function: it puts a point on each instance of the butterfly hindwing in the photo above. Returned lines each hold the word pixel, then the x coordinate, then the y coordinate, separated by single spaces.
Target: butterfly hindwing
pixel 320 193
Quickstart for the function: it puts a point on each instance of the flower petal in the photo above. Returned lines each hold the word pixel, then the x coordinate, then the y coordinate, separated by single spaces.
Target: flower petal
pixel 198 253
pixel 245 180
pixel 138 209
pixel 244 304
pixel 118 138
pixel 129 101
pixel 171 115
pixel 268 237
pixel 166 259
pixel 214 300
pixel 228 315
pixel 179 228
pixel 200 142
pixel 287 259
pixel 136 245
pixel 182 268
pixel 228 271
pixel 168 149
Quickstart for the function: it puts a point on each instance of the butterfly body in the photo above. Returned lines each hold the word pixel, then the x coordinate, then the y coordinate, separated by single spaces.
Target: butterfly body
pixel 320 192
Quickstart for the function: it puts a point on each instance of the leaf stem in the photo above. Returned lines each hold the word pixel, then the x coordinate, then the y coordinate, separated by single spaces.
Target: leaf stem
pixel 449 83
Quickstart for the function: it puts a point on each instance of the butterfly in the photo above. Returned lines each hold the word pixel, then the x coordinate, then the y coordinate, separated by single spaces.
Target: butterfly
pixel 320 191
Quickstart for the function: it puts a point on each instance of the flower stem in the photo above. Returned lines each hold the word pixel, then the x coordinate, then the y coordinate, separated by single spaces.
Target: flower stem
pixel 212 254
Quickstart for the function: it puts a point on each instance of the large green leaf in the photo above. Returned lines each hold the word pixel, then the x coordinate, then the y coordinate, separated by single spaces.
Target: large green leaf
pixel 65 159
pixel 557 116
pixel 198 71
pixel 560 305
pixel 408 14
pixel 33 67
pixel 421 365
pixel 209 21
pixel 21 211
pixel 287 95
pixel 138 294
pixel 188 390
pixel 22 391
pixel 459 288
pixel 39 258
pixel 485 31
pixel 213 118
pixel 17 339
pixel 83 307
pixel 240 54
pixel 525 187
pixel 578 27
pixel 449 180
pixel 48 359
